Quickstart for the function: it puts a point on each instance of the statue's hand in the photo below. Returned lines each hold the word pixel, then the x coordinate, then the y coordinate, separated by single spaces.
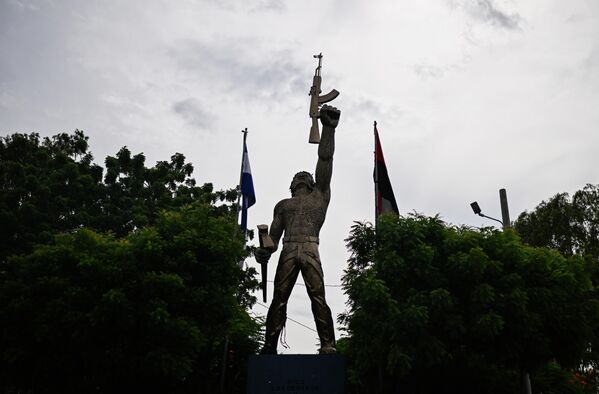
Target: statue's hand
pixel 329 116
pixel 262 255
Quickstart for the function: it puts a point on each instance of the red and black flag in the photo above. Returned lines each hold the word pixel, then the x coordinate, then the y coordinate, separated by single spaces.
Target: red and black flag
pixel 385 199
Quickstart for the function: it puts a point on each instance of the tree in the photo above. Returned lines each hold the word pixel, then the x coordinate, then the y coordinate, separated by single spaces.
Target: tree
pixel 147 312
pixel 51 185
pixel 568 225
pixel 46 186
pixel 571 226
pixel 436 308
pixel 123 280
pixel 134 194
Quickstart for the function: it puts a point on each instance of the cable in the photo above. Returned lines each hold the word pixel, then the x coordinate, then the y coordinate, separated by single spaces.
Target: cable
pixel 302 284
pixel 293 320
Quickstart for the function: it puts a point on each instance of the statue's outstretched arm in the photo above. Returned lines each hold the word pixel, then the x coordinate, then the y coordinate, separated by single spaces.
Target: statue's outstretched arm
pixel 329 116
pixel 276 230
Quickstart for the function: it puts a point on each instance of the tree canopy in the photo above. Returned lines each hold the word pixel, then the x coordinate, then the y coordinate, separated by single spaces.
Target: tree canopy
pixel 51 185
pixel 127 280
pixel 46 186
pixel 438 308
pixel 570 225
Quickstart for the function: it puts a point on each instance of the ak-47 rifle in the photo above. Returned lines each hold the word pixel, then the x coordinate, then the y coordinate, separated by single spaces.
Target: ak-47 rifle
pixel 265 243
pixel 317 100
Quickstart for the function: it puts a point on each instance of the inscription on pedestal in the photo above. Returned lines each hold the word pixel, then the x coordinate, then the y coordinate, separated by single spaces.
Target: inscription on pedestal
pixel 296 374
pixel 296 386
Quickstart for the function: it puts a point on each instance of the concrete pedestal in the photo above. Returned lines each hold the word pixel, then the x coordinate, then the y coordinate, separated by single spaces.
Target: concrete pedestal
pixel 296 374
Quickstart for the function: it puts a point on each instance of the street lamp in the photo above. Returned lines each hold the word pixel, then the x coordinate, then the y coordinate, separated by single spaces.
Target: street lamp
pixel 505 213
pixel 477 211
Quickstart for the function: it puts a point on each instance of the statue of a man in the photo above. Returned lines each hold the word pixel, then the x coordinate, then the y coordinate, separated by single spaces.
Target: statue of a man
pixel 301 218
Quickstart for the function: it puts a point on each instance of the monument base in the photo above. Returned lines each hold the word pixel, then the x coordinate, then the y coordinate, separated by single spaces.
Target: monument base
pixel 296 374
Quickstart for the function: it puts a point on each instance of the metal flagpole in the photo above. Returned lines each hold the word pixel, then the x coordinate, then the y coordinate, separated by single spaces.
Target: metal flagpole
pixel 239 198
pixel 245 134
pixel 376 180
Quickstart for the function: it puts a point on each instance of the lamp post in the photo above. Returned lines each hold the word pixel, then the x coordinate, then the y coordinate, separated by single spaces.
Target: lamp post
pixel 505 213
pixel 478 211
pixel 505 223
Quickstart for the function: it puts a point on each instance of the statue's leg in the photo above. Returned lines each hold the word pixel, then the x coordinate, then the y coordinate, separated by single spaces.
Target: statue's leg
pixel 314 280
pixel 285 277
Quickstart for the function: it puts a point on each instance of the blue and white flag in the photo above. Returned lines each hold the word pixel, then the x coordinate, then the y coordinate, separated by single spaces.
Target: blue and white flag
pixel 248 197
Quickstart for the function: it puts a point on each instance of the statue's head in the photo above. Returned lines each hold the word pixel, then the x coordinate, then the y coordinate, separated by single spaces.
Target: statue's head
pixel 302 178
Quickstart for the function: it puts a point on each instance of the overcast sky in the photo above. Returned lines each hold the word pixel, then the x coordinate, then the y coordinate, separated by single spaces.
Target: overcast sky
pixel 470 96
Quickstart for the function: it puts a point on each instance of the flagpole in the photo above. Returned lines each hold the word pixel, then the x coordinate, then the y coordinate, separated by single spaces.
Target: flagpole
pixel 226 344
pixel 239 196
pixel 376 180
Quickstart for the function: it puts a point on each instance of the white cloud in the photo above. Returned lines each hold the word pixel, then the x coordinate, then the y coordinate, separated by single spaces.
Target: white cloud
pixel 9 101
pixel 194 113
pixel 487 11
pixel 231 64
pixel 24 5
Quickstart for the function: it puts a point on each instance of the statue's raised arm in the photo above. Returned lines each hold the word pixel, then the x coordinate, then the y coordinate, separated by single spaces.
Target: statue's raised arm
pixel 329 116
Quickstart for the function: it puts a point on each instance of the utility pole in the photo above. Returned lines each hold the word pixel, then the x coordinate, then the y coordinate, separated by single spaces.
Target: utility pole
pixel 505 217
pixel 505 212
pixel 506 223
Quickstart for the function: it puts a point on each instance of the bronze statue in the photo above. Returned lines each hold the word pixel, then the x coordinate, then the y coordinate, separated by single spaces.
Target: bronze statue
pixel 301 218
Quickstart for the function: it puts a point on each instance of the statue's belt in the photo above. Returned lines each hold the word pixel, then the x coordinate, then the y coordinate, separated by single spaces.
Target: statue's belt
pixel 300 238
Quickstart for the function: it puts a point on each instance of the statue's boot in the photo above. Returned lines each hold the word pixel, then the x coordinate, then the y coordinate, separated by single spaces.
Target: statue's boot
pixel 327 342
pixel 275 321
pixel 327 350
pixel 270 343
pixel 326 332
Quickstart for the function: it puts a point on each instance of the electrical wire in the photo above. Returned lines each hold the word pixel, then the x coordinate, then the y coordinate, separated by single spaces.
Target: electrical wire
pixel 302 284
pixel 293 320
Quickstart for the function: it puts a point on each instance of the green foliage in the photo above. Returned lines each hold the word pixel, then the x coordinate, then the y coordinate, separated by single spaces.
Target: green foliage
pixel 571 226
pixel 127 280
pixel 435 308
pixel 568 225
pixel 46 186
pixel 134 194
pixel 149 311
pixel 50 185
pixel 553 379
